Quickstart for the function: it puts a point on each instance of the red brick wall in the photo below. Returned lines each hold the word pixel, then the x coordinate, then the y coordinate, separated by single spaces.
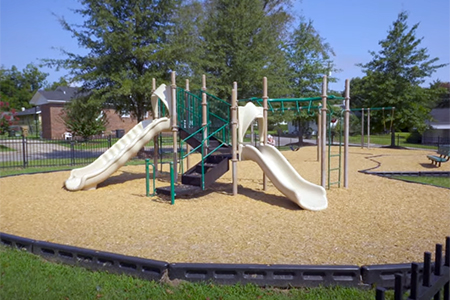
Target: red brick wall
pixel 53 126
pixel 117 122
pixel 46 122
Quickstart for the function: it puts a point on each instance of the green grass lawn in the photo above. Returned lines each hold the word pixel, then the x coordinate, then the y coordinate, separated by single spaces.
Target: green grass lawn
pixel 385 140
pixel 431 180
pixel 26 276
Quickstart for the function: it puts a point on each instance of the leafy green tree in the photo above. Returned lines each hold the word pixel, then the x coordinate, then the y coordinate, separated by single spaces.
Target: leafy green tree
pixel 84 117
pixel 128 44
pixel 443 93
pixel 61 82
pixel 394 76
pixel 18 87
pixel 309 59
pixel 186 43
pixel 241 43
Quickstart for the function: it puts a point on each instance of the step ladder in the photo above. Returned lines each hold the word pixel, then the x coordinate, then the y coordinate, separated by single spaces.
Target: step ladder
pixel 335 159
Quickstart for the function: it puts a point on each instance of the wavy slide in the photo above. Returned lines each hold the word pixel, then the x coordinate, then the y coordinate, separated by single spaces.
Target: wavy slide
pixel 285 178
pixel 88 177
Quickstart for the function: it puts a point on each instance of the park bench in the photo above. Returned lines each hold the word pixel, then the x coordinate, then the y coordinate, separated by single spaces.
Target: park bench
pixel 444 155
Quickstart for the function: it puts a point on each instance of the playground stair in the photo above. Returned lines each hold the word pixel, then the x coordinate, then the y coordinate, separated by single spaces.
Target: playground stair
pixel 214 165
pixel 216 152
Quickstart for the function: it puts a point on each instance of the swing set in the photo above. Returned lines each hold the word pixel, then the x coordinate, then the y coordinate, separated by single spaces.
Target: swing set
pixel 368 110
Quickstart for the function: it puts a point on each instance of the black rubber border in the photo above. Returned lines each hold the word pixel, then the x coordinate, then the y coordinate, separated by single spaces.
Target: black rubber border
pixel 259 274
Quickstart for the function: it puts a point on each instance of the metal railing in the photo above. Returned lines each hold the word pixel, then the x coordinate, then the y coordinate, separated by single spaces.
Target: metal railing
pixel 22 152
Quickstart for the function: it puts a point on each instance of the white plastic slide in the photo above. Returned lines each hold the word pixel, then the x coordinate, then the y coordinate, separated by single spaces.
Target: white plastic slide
pixel 88 177
pixel 285 178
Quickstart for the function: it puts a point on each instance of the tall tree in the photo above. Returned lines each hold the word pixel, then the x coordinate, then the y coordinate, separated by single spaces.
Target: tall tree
pixel 18 87
pixel 61 82
pixel 394 75
pixel 443 93
pixel 241 43
pixel 309 58
pixel 127 42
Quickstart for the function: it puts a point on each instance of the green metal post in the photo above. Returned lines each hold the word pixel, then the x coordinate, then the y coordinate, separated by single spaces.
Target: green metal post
pixel 172 184
pixel 147 177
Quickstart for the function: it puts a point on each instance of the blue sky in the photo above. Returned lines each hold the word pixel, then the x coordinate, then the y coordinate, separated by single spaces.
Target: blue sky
pixel 29 31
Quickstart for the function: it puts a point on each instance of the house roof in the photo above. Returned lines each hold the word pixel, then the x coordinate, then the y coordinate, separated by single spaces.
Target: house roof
pixel 30 111
pixel 62 94
pixel 440 118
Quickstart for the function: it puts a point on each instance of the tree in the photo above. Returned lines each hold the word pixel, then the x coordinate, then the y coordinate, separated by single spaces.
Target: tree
pixel 7 117
pixel 61 82
pixel 309 58
pixel 18 87
pixel 443 93
pixel 394 75
pixel 128 45
pixel 241 43
pixel 84 117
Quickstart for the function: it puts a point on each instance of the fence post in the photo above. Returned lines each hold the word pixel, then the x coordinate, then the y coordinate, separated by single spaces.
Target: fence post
pixel 414 281
pixel 72 153
pixel 398 292
pixel 109 141
pixel 24 151
pixel 380 292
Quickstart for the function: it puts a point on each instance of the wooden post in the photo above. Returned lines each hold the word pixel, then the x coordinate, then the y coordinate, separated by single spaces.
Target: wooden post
pixel 368 128
pixel 362 128
pixel 155 138
pixel 234 143
pixel 174 127
pixel 204 116
pixel 188 119
pixel 264 131
pixel 319 134
pixel 324 132
pixel 252 134
pixel 346 130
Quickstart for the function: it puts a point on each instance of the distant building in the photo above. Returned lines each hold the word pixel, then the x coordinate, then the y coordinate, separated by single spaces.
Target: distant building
pixel 439 131
pixel 51 105
pixel 31 119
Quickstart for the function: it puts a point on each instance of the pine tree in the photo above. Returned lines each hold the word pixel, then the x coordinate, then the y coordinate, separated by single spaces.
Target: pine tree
pixel 242 41
pixel 394 75
pixel 128 44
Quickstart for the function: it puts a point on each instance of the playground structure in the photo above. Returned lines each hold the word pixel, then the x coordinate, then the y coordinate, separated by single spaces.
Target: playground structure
pixel 368 110
pixel 206 124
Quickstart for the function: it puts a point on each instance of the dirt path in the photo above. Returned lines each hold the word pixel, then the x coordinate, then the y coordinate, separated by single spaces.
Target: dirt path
pixel 375 221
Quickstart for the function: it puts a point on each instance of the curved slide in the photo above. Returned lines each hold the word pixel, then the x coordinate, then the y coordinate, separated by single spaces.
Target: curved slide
pixel 285 178
pixel 88 177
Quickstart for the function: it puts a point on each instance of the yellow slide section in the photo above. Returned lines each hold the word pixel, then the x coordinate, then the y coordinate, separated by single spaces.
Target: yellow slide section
pixel 88 177
pixel 285 178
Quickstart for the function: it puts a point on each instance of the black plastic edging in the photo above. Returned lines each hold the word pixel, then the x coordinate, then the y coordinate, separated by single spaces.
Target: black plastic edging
pixel 16 242
pixel 262 275
pixel 103 261
pixel 384 275
pixel 420 173
pixel 267 275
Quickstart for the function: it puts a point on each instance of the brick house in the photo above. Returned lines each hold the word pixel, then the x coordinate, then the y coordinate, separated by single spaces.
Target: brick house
pixel 52 103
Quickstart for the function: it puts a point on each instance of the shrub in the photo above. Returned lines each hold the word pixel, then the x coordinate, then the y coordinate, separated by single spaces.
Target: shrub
pixel 7 116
